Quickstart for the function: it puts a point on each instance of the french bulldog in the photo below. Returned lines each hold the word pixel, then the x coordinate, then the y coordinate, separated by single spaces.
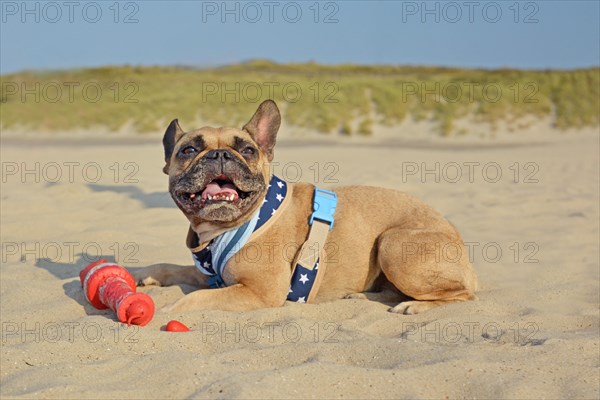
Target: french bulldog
pixel 392 248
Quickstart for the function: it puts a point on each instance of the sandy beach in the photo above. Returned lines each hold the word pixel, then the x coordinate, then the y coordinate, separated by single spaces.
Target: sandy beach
pixel 528 211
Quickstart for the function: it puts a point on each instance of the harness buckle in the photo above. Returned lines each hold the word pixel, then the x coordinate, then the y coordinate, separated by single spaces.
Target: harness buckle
pixel 324 204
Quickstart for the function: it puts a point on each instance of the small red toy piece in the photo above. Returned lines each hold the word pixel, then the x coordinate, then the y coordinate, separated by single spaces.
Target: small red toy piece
pixel 108 285
pixel 176 326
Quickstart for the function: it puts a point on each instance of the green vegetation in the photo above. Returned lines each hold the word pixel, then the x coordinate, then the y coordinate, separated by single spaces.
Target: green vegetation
pixel 366 127
pixel 322 97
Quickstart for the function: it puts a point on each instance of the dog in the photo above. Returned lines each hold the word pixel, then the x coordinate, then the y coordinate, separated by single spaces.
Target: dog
pixel 381 244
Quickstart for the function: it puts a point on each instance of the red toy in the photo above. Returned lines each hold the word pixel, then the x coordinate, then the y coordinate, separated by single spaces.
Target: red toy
pixel 108 285
pixel 176 326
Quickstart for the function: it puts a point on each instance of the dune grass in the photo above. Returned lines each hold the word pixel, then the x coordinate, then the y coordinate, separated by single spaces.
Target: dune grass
pixel 321 97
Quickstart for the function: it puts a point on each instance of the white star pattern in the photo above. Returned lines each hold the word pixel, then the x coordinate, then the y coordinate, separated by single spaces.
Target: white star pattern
pixel 301 299
pixel 279 197
pixel 273 212
pixel 206 265
pixel 317 266
pixel 304 278
pixel 280 184
pixel 291 291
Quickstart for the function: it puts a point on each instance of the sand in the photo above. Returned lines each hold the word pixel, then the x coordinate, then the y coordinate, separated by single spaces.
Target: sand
pixel 529 211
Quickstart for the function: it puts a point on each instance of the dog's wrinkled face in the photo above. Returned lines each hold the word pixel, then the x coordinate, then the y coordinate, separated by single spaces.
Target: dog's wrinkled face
pixel 220 175
pixel 216 174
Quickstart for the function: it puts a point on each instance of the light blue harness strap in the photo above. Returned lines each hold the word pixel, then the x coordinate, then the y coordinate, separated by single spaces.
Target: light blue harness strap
pixel 226 246
pixel 308 273
pixel 324 205
pixel 212 259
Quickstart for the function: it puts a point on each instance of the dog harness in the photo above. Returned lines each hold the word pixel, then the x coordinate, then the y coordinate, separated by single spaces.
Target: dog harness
pixel 212 257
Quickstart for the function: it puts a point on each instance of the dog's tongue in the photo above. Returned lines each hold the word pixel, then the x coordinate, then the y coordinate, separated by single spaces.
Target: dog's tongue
pixel 214 188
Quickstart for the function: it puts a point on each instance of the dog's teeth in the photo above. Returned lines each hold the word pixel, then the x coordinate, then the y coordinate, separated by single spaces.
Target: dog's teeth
pixel 221 197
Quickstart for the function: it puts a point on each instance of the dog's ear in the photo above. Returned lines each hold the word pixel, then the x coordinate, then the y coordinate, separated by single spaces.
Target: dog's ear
pixel 263 126
pixel 172 135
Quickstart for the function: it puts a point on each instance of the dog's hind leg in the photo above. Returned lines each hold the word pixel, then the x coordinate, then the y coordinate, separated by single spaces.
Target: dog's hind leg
pixel 431 266
pixel 383 292
pixel 385 296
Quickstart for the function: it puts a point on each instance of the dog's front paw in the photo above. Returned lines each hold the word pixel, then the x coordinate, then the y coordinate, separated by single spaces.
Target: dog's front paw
pixel 413 307
pixel 356 296
pixel 145 278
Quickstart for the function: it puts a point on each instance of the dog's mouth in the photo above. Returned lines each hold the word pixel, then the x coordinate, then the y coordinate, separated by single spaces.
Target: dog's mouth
pixel 220 190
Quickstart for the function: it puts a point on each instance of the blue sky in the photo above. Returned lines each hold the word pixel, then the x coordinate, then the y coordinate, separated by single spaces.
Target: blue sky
pixel 524 34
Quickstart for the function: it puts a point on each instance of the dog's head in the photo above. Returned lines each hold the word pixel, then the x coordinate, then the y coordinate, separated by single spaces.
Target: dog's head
pixel 221 175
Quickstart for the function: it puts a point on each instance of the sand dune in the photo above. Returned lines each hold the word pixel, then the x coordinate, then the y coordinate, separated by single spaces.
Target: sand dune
pixel 529 213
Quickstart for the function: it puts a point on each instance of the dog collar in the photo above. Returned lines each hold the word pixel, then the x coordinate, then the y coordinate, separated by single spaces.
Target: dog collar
pixel 211 258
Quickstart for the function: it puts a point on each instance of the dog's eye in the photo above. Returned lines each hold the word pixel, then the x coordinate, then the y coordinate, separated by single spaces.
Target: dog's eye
pixel 188 150
pixel 248 151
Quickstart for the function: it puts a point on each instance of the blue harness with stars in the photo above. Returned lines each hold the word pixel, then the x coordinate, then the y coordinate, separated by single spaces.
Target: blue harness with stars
pixel 212 258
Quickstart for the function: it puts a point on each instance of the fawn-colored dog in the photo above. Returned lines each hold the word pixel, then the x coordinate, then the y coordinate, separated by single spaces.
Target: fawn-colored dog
pixel 383 244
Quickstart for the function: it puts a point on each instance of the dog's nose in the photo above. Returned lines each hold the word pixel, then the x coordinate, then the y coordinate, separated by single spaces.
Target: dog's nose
pixel 219 154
